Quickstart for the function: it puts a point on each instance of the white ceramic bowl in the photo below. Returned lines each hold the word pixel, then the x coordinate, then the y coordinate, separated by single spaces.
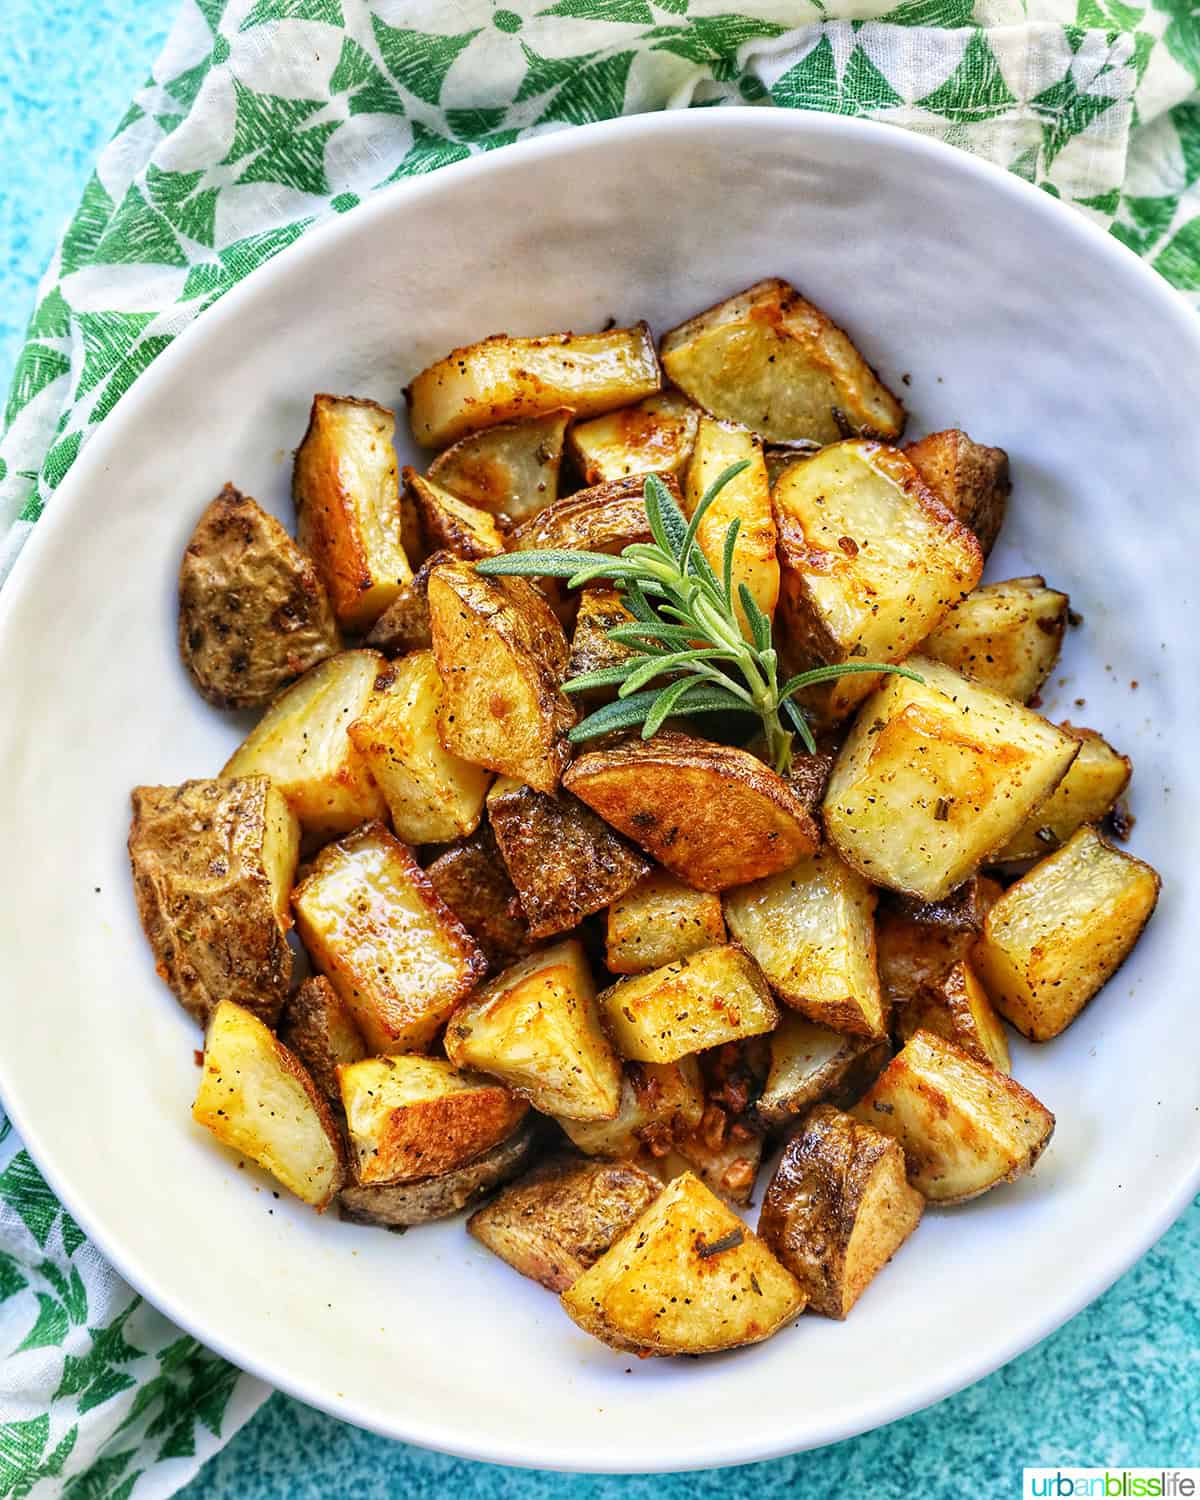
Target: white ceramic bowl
pixel 1001 312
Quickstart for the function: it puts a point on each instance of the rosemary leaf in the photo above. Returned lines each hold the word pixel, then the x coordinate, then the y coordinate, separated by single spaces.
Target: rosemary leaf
pixel 552 563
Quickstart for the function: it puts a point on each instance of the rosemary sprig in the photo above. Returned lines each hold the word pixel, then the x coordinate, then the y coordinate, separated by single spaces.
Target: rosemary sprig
pixel 685 627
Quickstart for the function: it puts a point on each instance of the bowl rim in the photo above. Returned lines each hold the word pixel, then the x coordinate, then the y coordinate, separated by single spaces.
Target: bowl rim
pixel 1120 1251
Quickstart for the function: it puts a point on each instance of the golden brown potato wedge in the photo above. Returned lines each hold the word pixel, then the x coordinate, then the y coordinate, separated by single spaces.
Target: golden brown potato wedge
pixel 659 921
pixel 256 1097
pixel 1089 791
pixel 711 814
pixel 404 624
pixel 253 612
pixel 373 923
pixel 501 655
pixel 964 1125
pixel 1059 934
pixel 600 610
pixel 511 470
pixel 724 1154
pixel 449 524
pixel 969 479
pixel 775 363
pixel 606 518
pixel 471 879
pixel 537 1027
pixel 653 437
pixel 936 777
pixel 348 513
pixel 660 1103
pixel 1006 635
pixel 505 378
pixel 686 1277
pixel 559 1219
pixel 302 745
pixel 959 1010
pixel 317 1026
pixel 213 864
pixel 838 1208
pixel 917 945
pixel 811 1064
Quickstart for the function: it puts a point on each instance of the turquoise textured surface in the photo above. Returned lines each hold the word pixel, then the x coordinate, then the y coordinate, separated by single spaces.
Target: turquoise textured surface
pixel 1120 1385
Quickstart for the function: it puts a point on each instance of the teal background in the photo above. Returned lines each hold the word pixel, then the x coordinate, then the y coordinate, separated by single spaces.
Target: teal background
pixel 1119 1385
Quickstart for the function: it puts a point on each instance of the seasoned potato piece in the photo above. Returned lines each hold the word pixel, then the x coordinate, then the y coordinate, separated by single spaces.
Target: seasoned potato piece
pixel 1005 635
pixel 501 655
pixel 433 796
pixel 838 1208
pixel 253 612
pixel 748 497
pixel 373 923
pixel 414 1117
pixel 404 624
pixel 917 945
pixel 511 471
pixel 561 1218
pixel 725 1156
pixel 450 524
pixel 935 777
pixel 564 861
pixel 775 363
pixel 320 1030
pixel 964 1125
pixel 1087 793
pixel 959 1010
pixel 871 563
pixel 717 995
pixel 1060 933
pixel 503 378
pixel 811 1063
pixel 213 863
pixel 600 610
pixel 969 479
pixel 606 518
pixel 661 920
pixel 713 815
pixel 537 1027
pixel 687 1277
pixel 653 437
pixel 781 456
pixel 471 879
pixel 256 1097
pixel 811 931
pixel 348 511
pixel 660 1103
pixel 302 745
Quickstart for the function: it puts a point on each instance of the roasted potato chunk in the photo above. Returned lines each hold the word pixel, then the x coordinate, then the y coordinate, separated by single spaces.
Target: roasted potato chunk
pixel 936 777
pixel 373 923
pixel 1057 936
pixel 403 627
pixel 511 471
pixel 471 879
pixel 606 518
pixel 563 860
pixel 959 1010
pixel 504 378
pixel 600 610
pixel 871 562
pixel 724 1155
pixel 653 437
pixel 838 1208
pixel 537 1027
pixel 213 863
pixel 433 796
pixel 686 1277
pixel 302 745
pixel 964 1125
pixel 811 931
pixel 811 1064
pixel 253 612
pixel 1089 791
pixel 452 525
pixel 559 1220
pixel 1005 635
pixel 318 1027
pixel 414 1117
pixel 969 479
pixel 915 950
pixel 660 1103
pixel 659 921
pixel 713 815
pixel 717 995
pixel 775 363
pixel 501 654
pixel 256 1097
pixel 348 512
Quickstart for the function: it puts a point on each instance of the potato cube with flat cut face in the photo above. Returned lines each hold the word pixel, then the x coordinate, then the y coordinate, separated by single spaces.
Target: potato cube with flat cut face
pixel 374 925
pixel 433 796
pixel 511 470
pixel 504 378
pixel 871 562
pixel 317 1026
pixel 969 479
pixel 255 1097
pixel 811 1064
pixel 348 511
pixel 1005 635
pixel 537 1028
pixel 213 863
pixel 302 745
pixel 658 921
pixel 717 995
pixel 838 1208
pixel 775 363
pixel 660 1103
pixel 959 1010
pixel 1060 933
pixel 653 437
pixel 451 524
pixel 1087 794
pixel 964 1125
pixel 937 776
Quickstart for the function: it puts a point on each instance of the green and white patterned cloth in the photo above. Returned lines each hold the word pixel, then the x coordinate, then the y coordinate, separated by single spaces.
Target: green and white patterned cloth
pixel 264 117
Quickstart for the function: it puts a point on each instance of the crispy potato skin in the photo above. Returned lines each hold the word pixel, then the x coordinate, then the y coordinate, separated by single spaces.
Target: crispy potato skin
pixel 560 1218
pixel 253 612
pixel 511 470
pixel 600 610
pixel 320 1030
pixel 653 437
pixel 213 863
pixel 969 479
pixel 713 815
pixel 917 944
pixel 606 518
pixel 1006 635
pixel 838 1208
pixel 472 880
pixel 451 524
pixel 959 1010
pixel 404 625
pixel 812 1064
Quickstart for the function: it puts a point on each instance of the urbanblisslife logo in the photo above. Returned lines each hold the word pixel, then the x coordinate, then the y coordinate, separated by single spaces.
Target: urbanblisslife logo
pixel 1113 1484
